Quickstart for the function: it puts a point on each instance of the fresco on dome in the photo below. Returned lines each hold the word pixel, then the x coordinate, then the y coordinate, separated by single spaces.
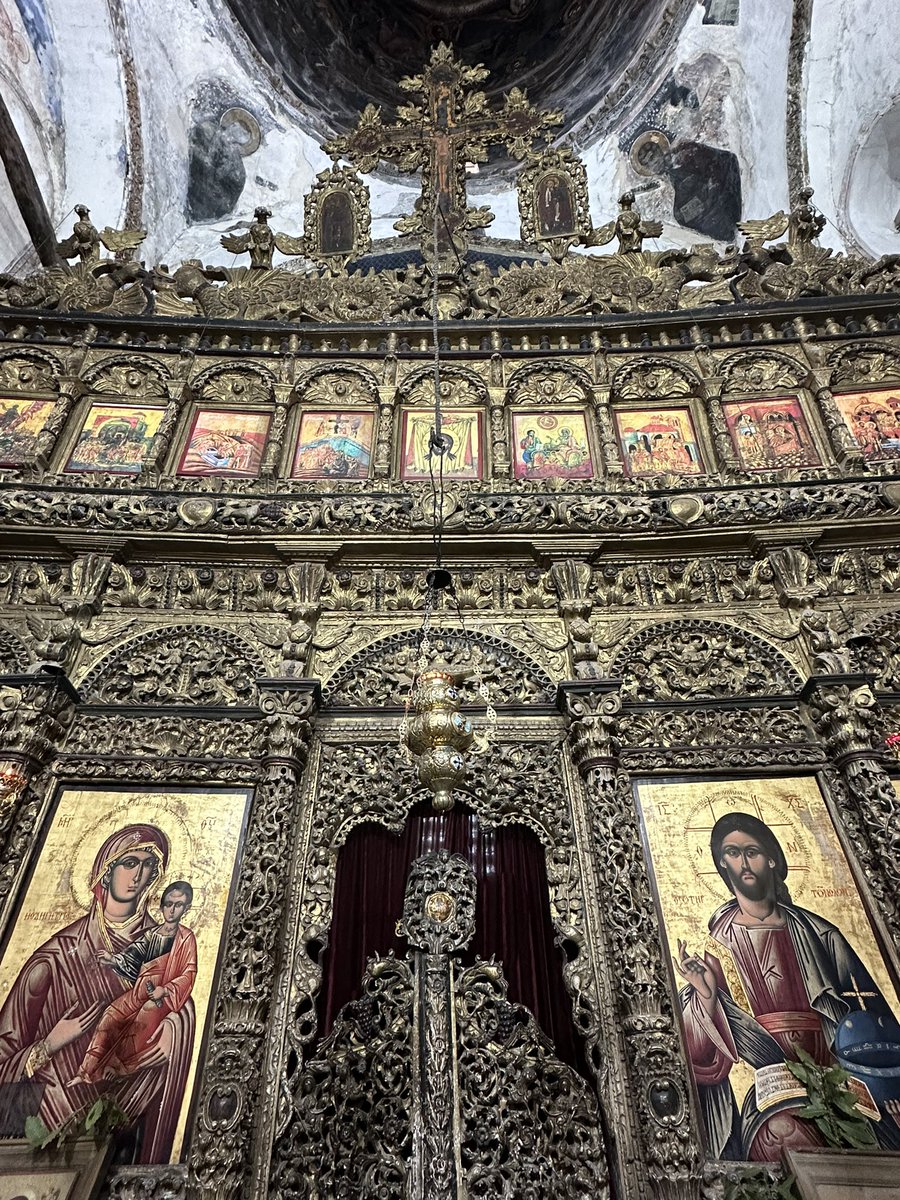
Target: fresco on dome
pixel 873 418
pixel 225 442
pixel 115 437
pixel 551 444
pixel 770 949
pixel 770 433
pixel 334 444
pixel 21 420
pixel 109 969
pixel 462 429
pixel 659 439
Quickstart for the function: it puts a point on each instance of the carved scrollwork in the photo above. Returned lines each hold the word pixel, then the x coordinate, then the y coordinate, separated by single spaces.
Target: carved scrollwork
pixel 13 652
pixel 177 664
pixel 754 371
pixel 439 905
pixel 862 363
pixel 30 371
pixel 654 379
pixel 248 385
pixel 696 660
pixel 172 737
pixel 549 383
pixel 353 1098
pixel 876 651
pixel 382 672
pixel 146 1183
pixel 531 1125
pixel 128 375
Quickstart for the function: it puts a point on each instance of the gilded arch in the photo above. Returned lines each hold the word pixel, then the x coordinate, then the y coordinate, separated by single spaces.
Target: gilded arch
pixel 701 660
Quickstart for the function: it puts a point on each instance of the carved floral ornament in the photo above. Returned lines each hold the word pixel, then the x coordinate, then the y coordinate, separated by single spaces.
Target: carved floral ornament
pixel 31 371
pixel 698 660
pixel 545 385
pixel 177 664
pixel 876 650
pixel 128 375
pixel 762 372
pixel 864 362
pixel 381 672
pixel 241 385
pixel 654 379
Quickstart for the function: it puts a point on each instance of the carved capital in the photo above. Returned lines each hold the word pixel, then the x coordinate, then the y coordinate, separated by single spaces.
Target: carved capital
pixel 35 712
pixel 289 706
pixel 592 709
pixel 843 711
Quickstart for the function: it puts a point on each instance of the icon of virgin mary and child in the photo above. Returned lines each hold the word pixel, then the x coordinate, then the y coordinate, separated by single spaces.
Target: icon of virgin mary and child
pixel 104 1006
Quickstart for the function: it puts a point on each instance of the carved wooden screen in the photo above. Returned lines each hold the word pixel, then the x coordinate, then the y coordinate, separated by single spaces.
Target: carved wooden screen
pixel 434 1085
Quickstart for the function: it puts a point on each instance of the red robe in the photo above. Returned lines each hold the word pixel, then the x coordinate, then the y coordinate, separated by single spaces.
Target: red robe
pixel 126 1038
pixel 64 978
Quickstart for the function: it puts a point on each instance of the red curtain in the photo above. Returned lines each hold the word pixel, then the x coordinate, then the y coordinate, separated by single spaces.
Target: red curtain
pixel 512 914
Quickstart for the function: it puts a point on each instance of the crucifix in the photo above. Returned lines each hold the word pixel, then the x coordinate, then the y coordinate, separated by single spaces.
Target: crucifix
pixel 857 995
pixel 450 125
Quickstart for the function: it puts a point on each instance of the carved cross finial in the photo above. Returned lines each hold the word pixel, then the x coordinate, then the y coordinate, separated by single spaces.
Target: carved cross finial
pixel 446 126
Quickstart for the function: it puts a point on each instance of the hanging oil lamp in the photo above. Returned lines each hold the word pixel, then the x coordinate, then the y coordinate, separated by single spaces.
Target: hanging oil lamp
pixel 438 734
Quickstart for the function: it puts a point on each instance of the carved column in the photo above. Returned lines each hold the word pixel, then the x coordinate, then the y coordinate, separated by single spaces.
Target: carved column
pixel 231 1096
pixel 499 438
pixel 70 391
pixel 162 439
pixel 35 712
pixel 609 445
pixel 275 441
pixel 384 438
pixel 843 712
pixel 842 440
pixel 715 414
pixel 652 1122
pixel 438 918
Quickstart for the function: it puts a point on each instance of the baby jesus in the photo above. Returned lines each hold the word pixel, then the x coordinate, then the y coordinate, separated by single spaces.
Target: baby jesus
pixel 161 965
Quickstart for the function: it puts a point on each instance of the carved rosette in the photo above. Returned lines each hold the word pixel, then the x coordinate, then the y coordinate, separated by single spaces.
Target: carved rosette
pixel 232 1080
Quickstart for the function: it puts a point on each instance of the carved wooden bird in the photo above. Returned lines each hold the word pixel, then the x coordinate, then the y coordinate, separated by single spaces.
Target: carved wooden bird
pixel 85 240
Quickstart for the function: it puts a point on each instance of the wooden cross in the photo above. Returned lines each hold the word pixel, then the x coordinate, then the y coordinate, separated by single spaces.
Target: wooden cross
pixel 450 126
pixel 857 995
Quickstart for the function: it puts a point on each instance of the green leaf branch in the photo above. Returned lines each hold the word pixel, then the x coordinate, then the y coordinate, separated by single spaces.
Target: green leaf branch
pixel 97 1120
pixel 832 1108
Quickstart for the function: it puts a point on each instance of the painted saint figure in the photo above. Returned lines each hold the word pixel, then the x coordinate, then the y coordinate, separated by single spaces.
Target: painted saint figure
pixel 59 996
pixel 161 964
pixel 775 977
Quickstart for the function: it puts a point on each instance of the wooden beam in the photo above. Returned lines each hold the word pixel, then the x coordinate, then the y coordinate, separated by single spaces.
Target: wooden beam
pixel 26 191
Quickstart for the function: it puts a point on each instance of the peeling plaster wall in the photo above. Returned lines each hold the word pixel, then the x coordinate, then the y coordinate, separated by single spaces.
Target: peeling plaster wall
pixel 852 81
pixel 65 81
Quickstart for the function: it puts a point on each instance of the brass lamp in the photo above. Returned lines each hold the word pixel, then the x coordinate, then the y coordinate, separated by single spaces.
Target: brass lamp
pixel 438 734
